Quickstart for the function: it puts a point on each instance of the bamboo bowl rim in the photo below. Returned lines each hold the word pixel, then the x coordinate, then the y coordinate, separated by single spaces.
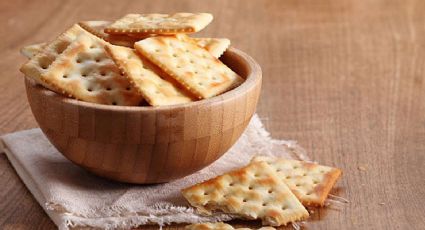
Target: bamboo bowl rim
pixel 252 76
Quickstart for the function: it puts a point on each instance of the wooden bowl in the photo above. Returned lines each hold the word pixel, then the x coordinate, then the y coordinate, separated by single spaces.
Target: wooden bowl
pixel 148 144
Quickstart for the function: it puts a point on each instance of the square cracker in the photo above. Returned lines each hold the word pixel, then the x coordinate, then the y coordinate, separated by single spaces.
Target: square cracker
pixel 30 51
pixel 76 64
pixel 216 46
pixel 145 78
pixel 310 182
pixel 160 23
pixel 192 66
pixel 252 192
pixel 97 27
pixel 39 63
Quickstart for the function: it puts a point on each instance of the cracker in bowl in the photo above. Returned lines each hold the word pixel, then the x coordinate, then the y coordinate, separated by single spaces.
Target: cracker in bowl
pixel 76 64
pixel 140 24
pixel 192 66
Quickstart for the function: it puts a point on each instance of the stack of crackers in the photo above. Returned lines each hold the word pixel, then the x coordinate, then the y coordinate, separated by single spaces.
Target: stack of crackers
pixel 275 190
pixel 138 58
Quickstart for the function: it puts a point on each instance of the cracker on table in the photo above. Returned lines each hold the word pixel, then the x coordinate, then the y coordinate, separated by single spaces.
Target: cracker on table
pixel 251 192
pixel 97 27
pixel 310 182
pixel 30 51
pixel 209 226
pixel 219 226
pixel 192 66
pixel 76 64
pixel 160 23
pixel 145 77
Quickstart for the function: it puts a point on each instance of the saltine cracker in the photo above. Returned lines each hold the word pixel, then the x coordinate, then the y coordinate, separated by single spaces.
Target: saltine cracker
pixel 251 192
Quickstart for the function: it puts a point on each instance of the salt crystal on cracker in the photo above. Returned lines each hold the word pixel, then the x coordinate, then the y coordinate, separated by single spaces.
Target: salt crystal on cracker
pixel 160 23
pixel 192 66
pixel 77 65
pixel 252 192
pixel 156 90
pixel 310 182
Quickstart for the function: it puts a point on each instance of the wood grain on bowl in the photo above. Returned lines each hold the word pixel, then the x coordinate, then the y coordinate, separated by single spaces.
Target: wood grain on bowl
pixel 148 144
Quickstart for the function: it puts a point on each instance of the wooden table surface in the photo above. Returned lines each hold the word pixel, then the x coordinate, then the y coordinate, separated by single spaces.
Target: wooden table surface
pixel 344 78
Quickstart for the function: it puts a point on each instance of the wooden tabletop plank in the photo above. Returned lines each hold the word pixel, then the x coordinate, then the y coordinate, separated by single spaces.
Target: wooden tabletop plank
pixel 343 78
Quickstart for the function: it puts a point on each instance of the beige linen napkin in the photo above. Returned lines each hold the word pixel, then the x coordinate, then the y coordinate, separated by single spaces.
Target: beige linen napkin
pixel 73 197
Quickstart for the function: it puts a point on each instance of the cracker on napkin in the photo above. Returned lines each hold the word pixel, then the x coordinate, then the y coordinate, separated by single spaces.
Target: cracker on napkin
pixel 160 23
pixel 156 90
pixel 77 65
pixel 192 66
pixel 30 51
pixel 310 182
pixel 254 191
pixel 97 27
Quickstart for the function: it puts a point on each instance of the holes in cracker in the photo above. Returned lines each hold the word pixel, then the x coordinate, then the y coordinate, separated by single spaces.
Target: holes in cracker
pixel 60 47
pixel 108 88
pixel 102 73
pixel 64 76
pixel 44 62
pixel 128 88
pixel 114 103
pixel 89 89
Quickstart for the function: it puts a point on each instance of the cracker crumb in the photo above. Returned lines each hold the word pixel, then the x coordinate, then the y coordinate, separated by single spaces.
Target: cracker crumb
pixel 361 168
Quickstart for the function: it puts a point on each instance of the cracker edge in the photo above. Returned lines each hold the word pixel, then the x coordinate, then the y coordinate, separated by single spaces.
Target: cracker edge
pixel 192 29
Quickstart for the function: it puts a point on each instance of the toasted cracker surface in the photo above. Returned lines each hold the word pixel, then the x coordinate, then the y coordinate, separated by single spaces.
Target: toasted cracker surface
pixel 310 182
pixel 155 89
pixel 77 65
pixel 192 66
pixel 30 51
pixel 97 28
pixel 216 46
pixel 160 23
pixel 252 192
